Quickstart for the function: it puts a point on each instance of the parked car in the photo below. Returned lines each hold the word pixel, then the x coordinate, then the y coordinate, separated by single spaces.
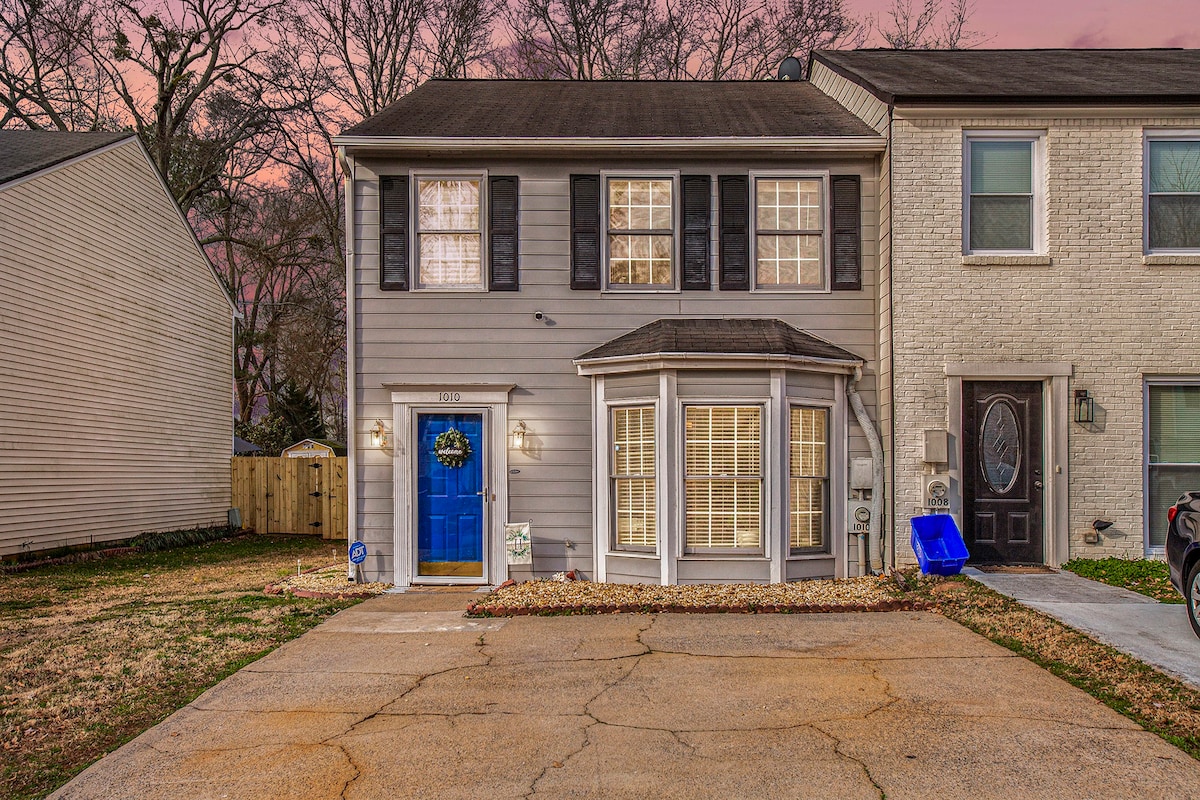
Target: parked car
pixel 1183 551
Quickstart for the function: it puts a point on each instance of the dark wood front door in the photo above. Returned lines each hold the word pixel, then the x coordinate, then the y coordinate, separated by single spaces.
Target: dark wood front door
pixel 1002 471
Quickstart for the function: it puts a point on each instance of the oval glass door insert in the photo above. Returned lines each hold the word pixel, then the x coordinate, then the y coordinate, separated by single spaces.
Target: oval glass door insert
pixel 999 446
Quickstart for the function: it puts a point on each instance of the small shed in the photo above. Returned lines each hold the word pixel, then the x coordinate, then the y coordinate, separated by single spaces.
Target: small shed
pixel 314 448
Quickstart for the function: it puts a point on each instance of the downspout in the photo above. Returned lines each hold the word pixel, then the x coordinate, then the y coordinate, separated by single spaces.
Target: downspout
pixel 347 166
pixel 876 445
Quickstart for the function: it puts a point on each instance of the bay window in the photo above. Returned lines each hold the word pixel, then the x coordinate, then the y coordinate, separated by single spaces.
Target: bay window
pixel 808 478
pixel 633 489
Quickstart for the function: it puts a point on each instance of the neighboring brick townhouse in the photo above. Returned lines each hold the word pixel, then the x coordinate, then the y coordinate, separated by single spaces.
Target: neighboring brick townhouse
pixel 1037 289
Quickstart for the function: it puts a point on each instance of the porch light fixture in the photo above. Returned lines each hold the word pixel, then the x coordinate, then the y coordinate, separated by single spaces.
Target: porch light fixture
pixel 1085 407
pixel 518 435
pixel 378 434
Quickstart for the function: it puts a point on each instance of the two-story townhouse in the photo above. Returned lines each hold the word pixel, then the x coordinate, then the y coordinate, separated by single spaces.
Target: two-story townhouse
pixel 636 316
pixel 1036 289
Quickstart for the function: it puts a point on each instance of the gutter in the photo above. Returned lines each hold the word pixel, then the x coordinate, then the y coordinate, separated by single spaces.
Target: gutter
pixel 840 144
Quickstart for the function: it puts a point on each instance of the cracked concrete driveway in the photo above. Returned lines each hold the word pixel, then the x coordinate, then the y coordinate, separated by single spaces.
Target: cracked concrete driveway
pixel 403 697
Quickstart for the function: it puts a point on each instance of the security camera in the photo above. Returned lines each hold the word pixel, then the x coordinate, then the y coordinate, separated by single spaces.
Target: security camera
pixel 539 316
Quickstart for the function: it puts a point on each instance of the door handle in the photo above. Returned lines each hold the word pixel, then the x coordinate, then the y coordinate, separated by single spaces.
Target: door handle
pixel 1037 484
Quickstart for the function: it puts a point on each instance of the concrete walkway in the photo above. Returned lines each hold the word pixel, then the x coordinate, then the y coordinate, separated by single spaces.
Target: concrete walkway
pixel 401 697
pixel 1156 633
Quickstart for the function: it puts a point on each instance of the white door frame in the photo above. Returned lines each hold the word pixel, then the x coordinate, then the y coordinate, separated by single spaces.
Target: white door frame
pixel 1056 407
pixel 492 401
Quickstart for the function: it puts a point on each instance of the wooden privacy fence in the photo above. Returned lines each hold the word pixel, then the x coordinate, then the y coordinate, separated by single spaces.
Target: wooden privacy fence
pixel 291 495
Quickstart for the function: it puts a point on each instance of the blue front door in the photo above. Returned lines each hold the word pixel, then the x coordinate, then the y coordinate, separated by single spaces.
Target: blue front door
pixel 450 500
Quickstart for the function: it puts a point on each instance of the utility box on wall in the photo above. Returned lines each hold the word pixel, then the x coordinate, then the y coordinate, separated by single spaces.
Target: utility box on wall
pixel 937 447
pixel 861 474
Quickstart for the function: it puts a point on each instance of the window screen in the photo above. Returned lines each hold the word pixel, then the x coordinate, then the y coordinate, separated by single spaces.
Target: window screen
pixel 1001 195
pixel 1173 195
pixel 808 477
pixel 633 476
pixel 723 481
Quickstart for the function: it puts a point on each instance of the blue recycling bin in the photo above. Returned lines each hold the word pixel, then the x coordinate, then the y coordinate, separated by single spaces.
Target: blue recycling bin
pixel 939 546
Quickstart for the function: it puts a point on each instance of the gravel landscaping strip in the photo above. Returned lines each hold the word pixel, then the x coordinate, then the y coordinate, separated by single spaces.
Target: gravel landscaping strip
pixel 326 582
pixel 586 597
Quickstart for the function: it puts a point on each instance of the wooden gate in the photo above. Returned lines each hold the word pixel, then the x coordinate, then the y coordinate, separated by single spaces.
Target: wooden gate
pixel 292 495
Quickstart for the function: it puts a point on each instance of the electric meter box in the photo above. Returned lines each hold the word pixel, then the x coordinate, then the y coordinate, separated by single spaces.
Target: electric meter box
pixel 935 493
pixel 861 476
pixel 858 517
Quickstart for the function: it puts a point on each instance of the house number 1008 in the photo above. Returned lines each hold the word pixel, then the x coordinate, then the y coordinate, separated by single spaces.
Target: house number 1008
pixel 449 397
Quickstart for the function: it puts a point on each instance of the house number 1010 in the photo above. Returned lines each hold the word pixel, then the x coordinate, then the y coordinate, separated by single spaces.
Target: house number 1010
pixel 449 397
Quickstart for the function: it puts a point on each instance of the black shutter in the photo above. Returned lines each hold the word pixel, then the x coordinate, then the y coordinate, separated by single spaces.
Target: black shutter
pixel 697 208
pixel 503 275
pixel 393 233
pixel 735 231
pixel 585 231
pixel 847 231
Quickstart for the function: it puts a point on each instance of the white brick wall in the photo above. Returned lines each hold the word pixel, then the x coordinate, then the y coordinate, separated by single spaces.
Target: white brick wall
pixel 1097 306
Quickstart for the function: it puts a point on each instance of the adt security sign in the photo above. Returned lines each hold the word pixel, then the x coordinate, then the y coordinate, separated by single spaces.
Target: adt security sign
pixel 358 553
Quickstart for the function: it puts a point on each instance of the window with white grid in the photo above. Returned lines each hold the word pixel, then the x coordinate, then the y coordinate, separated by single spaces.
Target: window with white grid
pixel 448 233
pixel 808 477
pixel 788 233
pixel 723 476
pixel 633 476
pixel 641 232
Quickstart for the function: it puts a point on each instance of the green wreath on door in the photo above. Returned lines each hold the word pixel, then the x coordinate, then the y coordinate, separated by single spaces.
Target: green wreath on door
pixel 452 448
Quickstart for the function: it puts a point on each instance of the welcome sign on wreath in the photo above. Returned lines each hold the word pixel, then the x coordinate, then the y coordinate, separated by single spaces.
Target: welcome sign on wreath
pixel 452 448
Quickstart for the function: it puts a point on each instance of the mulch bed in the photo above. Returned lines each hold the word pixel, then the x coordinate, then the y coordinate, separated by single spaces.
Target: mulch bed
pixel 550 597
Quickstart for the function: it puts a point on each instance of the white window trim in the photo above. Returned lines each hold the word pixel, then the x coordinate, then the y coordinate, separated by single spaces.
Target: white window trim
pixel 767 460
pixel 414 178
pixel 1039 235
pixel 1170 135
pixel 1147 382
pixel 676 231
pixel 613 545
pixel 828 407
pixel 826 231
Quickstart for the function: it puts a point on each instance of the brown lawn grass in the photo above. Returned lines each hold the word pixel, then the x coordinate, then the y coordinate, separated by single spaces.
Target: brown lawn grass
pixel 91 654
pixel 1157 702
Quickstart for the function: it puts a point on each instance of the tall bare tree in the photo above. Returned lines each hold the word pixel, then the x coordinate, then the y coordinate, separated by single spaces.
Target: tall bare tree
pixel 48 78
pixel 932 26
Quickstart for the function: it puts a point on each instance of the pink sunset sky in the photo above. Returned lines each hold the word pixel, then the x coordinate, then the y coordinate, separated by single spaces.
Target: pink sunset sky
pixel 1076 23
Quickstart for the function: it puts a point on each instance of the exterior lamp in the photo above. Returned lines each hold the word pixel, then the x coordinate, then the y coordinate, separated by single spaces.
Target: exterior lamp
pixel 518 435
pixel 378 434
pixel 1085 407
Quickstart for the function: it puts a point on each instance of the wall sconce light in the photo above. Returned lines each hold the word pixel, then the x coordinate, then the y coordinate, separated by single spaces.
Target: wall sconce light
pixel 378 434
pixel 518 435
pixel 1085 407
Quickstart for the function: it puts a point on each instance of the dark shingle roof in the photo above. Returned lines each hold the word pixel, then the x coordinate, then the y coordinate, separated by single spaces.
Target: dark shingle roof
pixel 1136 77
pixel 612 109
pixel 25 152
pixel 765 337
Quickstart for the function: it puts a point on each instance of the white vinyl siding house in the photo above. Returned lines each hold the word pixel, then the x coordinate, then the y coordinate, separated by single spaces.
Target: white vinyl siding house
pixel 115 402
pixel 597 237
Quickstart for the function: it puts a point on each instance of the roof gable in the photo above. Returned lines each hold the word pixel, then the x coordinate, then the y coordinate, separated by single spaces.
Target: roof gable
pixel 1126 77
pixel 26 152
pixel 498 109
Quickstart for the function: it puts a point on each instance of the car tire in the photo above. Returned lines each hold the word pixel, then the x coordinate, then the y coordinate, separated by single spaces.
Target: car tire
pixel 1191 591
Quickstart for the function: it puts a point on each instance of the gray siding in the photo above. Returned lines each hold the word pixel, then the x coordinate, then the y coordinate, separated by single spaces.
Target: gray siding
pixel 440 337
pixel 115 406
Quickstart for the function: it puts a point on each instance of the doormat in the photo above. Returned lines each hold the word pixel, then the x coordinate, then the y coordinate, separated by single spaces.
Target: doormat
pixel 1015 569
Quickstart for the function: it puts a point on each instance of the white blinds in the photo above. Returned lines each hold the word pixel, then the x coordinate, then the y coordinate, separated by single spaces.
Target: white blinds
pixel 633 476
pixel 723 483
pixel 808 474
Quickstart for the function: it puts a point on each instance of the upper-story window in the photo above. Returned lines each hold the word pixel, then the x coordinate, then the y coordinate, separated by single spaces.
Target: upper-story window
pixel 1172 192
pixel 789 226
pixel 449 233
pixel 641 232
pixel 1004 204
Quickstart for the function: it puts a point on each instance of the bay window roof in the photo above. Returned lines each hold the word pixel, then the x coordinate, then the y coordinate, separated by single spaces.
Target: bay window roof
pixel 763 338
